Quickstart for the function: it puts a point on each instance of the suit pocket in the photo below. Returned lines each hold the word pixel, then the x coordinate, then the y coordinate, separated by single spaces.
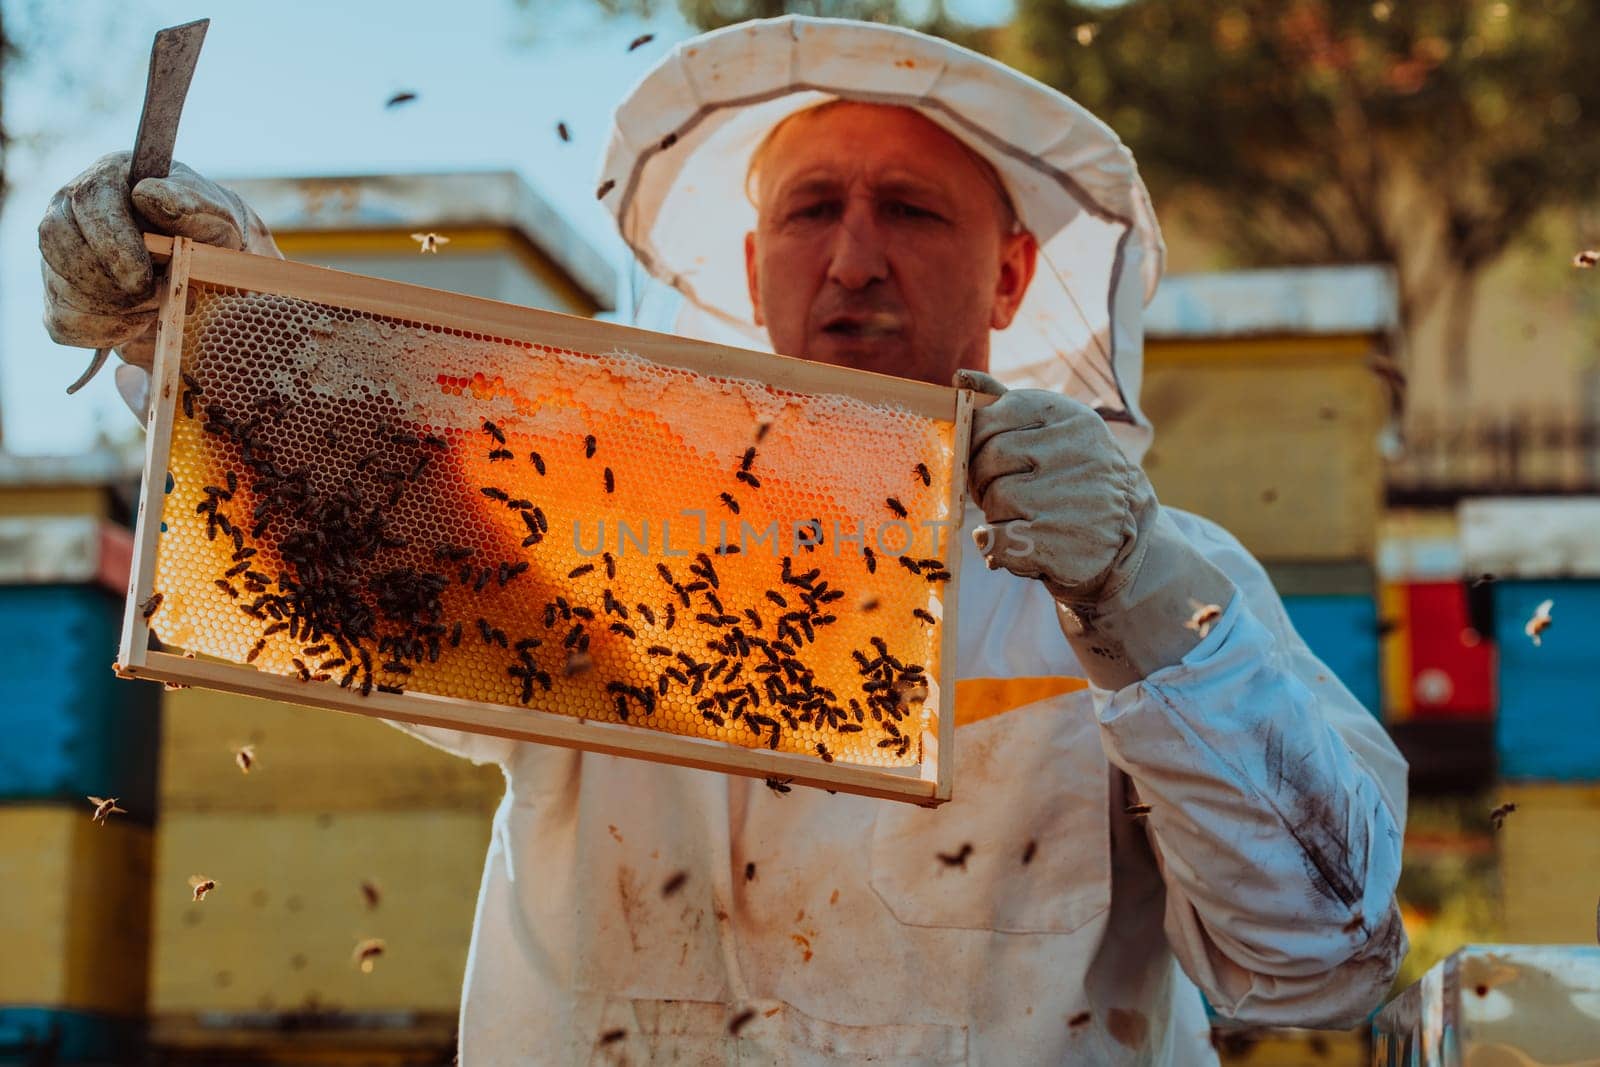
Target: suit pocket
pixel 1025 845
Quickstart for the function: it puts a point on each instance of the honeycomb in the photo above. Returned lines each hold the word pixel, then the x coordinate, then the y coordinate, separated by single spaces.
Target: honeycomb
pixel 360 501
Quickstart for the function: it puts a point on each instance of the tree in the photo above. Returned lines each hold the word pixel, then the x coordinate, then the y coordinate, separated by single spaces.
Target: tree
pixel 1427 134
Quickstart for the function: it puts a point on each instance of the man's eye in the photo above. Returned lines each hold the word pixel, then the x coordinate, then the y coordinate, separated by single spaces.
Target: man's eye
pixel 899 209
pixel 821 209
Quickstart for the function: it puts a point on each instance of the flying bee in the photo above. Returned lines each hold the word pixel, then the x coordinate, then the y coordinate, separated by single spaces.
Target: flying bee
pixel 201 885
pixel 430 241
pixel 1586 259
pixel 898 508
pixel 957 858
pixel 245 757
pixel 104 807
pixel 1498 815
pixel 371 894
pixel 640 41
pixel 1204 618
pixel 367 952
pixel 921 471
pixel 589 445
pixel 562 132
pixel 1540 622
pixel 611 481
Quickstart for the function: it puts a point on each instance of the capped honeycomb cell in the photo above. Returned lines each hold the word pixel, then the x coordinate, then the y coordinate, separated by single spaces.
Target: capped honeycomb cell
pixel 373 503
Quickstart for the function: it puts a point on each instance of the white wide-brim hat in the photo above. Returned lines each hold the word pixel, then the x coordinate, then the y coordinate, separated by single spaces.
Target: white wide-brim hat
pixel 681 145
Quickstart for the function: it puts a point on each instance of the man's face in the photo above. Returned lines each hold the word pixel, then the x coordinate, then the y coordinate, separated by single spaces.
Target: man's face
pixel 882 244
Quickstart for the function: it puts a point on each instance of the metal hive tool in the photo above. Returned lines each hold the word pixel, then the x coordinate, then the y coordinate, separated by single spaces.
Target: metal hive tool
pixel 405 503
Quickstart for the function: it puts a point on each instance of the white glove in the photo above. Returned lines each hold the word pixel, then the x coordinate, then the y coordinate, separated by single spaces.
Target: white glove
pixel 100 283
pixel 1064 505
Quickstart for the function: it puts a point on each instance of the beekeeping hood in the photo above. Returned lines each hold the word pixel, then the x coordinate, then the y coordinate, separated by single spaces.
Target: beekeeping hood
pixel 682 140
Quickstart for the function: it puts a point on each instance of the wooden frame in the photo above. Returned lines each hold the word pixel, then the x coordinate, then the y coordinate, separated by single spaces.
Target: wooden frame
pixel 928 784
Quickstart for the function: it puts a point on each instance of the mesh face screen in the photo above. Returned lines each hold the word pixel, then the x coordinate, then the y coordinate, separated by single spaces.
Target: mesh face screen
pixel 360 501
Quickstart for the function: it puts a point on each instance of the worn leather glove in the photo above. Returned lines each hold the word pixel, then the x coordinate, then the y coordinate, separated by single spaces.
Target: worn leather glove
pixel 100 284
pixel 1065 506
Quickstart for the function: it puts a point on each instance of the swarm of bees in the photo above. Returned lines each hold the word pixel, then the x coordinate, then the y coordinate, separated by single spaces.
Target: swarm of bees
pixel 104 808
pixel 1539 622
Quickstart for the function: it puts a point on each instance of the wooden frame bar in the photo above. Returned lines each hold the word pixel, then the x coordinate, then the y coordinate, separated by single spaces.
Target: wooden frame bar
pixel 928 783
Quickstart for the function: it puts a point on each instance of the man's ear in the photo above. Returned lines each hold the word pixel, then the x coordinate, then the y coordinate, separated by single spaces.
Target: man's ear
pixel 750 276
pixel 1019 255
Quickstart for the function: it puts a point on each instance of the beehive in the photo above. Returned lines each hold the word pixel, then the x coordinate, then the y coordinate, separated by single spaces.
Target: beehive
pixel 374 491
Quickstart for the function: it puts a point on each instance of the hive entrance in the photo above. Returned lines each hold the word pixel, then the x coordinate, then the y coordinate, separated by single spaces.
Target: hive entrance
pixel 526 515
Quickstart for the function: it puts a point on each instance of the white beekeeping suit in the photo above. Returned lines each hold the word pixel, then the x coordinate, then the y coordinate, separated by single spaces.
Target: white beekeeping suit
pixel 1034 918
pixel 1072 931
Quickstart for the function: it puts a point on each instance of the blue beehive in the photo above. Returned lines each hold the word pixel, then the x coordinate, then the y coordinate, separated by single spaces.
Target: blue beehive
pixel 1342 629
pixel 1548 726
pixel 73 729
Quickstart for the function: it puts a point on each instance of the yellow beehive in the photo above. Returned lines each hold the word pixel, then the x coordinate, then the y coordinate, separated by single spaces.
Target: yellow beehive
pixel 379 504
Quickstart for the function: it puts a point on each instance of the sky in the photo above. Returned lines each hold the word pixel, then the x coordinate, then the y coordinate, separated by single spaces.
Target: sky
pixel 297 88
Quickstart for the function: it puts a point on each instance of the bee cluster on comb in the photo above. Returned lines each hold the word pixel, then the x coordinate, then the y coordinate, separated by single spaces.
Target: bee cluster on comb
pixel 385 505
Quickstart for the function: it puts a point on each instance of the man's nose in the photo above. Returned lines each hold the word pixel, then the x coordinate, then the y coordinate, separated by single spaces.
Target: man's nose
pixel 858 255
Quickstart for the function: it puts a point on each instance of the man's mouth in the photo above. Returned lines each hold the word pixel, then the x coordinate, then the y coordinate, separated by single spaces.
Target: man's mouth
pixel 863 327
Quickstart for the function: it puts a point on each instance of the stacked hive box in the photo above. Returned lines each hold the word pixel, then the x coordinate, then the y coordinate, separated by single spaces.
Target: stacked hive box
pixel 1545 737
pixel 1268 418
pixel 344 828
pixel 75 922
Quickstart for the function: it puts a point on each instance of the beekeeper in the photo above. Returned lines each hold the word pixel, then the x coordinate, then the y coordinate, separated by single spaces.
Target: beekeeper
pixel 1153 799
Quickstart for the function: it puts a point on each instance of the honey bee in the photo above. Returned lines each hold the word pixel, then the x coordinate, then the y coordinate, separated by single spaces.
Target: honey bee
pixel 367 951
pixel 611 1037
pixel 728 501
pixel 580 570
pixel 245 757
pixel 589 445
pixel 430 242
pixel 611 566
pixel 371 894
pixel 255 650
pixel 105 807
pixel 750 872
pixel 385 688
pixel 822 750
pixel 1205 616
pixel 898 508
pixel 201 885
pixel 872 560
pixel 645 613
pixel 495 494
pixel 1540 622
pixel 779 785
pixel 1498 815
pixel 740 1021
pixel 925 616
pixel 674 883
pixel 611 481
pixel 748 459
pixel 640 41
pixel 1586 259
pixel 498 454
pixel 152 605
pixel 605 187
pixel 562 132
pixel 494 431
pixel 921 471
pixel 958 858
